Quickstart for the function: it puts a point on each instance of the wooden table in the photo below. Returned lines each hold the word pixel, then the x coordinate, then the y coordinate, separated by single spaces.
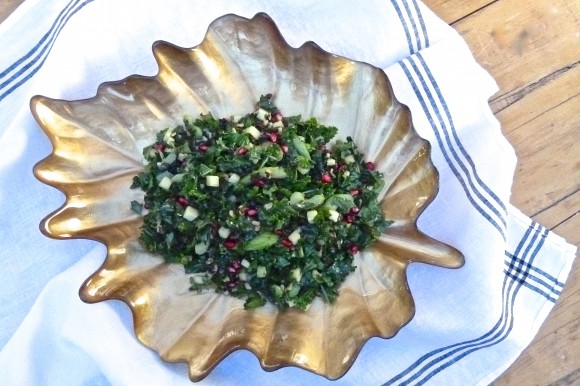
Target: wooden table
pixel 532 49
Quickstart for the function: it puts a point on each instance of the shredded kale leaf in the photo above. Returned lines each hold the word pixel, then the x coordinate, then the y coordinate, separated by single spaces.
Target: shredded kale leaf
pixel 259 206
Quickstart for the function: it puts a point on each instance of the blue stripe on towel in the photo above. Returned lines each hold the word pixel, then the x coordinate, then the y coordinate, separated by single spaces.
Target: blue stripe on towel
pixel 552 279
pixel 468 186
pixel 413 25
pixel 505 329
pixel 520 268
pixel 496 200
pixel 39 53
pixel 422 23
pixel 494 210
pixel 532 240
pixel 534 278
pixel 407 33
pixel 38 45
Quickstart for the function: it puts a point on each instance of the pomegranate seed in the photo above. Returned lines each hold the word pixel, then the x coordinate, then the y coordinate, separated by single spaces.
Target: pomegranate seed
pixel 277 116
pixel 259 183
pixel 182 201
pixel 272 137
pixel 230 243
pixel 353 249
pixel 354 192
pixel 251 212
pixel 159 147
pixel 354 210
pixel 203 147
pixel 370 166
pixel 231 284
pixel 234 266
pixel 242 151
pixel 349 218
pixel 341 168
pixel 284 148
pixel 287 243
pixel 325 179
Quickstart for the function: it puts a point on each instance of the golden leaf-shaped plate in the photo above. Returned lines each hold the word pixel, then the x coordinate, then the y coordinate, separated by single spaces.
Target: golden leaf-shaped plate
pixel 97 150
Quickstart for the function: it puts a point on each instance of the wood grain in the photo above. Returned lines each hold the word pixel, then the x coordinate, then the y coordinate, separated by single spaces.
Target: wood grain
pixel 537 165
pixel 453 10
pixel 536 39
pixel 7 7
pixel 532 49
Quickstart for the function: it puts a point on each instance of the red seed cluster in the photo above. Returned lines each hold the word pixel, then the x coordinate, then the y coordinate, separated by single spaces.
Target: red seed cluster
pixel 326 178
pixel 277 116
pixel 182 201
pixel 259 183
pixel 251 212
pixel 234 267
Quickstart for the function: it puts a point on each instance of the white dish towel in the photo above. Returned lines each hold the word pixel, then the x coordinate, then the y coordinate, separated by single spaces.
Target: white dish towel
pixel 470 323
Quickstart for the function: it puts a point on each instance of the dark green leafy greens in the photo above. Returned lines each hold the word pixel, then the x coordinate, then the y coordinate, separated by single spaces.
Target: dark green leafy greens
pixel 258 206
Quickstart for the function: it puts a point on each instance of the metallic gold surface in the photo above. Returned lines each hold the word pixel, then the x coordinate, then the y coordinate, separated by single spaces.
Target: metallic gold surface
pixel 97 150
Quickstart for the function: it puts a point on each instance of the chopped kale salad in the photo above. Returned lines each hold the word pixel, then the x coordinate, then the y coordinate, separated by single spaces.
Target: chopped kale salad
pixel 261 207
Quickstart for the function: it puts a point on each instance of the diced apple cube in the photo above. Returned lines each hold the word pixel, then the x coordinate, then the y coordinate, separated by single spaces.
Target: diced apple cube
pixel 234 178
pixel 310 215
pixel 213 181
pixel 165 183
pixel 200 248
pixel 349 159
pixel 297 274
pixel 190 213
pixel 333 215
pixel 262 114
pixel 255 133
pixel 261 271
pixel 224 232
pixel 294 236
